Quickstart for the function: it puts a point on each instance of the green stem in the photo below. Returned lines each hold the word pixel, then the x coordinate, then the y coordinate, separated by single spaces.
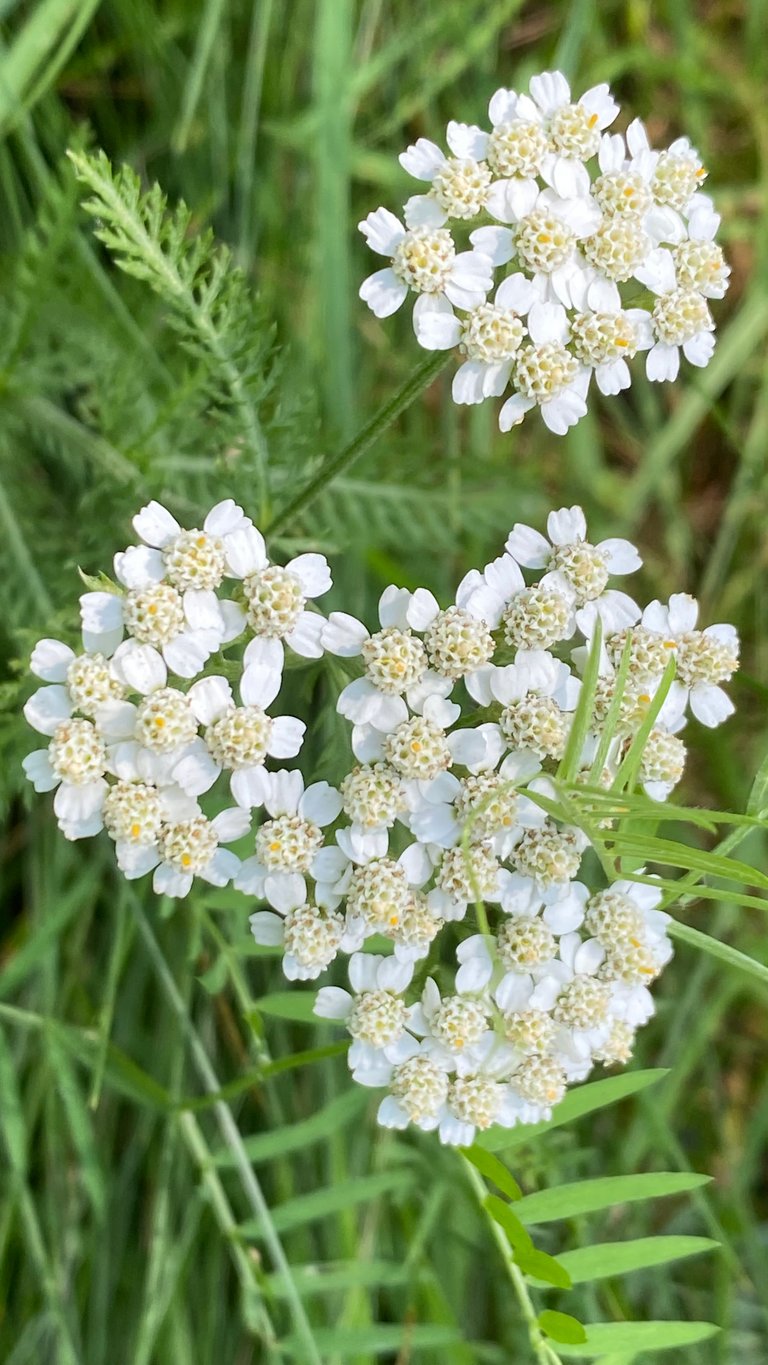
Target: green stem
pixel 342 459
pixel 543 1351
pixel 232 1138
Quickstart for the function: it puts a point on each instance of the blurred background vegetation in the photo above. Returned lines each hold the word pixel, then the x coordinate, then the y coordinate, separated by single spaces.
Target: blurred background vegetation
pixel 128 1231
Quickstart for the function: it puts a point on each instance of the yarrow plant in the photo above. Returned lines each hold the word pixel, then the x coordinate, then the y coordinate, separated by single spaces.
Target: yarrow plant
pixel 468 722
pixel 584 248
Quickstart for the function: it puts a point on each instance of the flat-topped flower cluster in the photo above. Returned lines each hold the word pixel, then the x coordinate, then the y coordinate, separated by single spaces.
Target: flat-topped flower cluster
pixel 448 819
pixel 585 225
pixel 141 725
pixel 460 718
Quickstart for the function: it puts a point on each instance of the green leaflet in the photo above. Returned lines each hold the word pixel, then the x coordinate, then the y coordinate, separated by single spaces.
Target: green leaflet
pixel 585 1099
pixel 541 1266
pixel 516 1235
pixel 639 1336
pixel 493 1169
pixel 605 1259
pixel 561 1327
pixel 590 1196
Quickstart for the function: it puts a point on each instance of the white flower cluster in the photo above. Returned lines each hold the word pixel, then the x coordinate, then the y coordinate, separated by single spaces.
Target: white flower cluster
pixel 586 221
pixel 139 728
pixel 460 717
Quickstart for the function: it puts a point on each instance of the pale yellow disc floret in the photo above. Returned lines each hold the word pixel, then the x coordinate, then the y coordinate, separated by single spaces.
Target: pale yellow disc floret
pixel 418 749
pixel 195 560
pixel 288 843
pixel 461 187
pixel 76 753
pixel 458 643
pixel 394 660
pixel 424 259
pixel 275 601
pixel 154 616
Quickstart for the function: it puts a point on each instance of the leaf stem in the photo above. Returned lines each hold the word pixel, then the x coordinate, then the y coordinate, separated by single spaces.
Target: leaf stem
pixel 335 464
pixel 231 1135
pixel 543 1351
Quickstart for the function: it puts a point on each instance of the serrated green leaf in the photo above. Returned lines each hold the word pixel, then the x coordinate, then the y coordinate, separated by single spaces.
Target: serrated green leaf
pixel 635 1337
pixel 493 1169
pixel 605 1259
pixel 561 1327
pixel 513 1229
pixel 294 1136
pixel 590 1196
pixel 583 1099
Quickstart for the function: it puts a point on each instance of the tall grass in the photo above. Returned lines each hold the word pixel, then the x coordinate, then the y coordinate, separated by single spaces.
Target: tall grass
pixel 187 1175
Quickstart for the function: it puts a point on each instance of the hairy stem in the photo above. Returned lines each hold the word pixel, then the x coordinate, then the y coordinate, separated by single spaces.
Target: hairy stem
pixel 362 442
pixel 542 1349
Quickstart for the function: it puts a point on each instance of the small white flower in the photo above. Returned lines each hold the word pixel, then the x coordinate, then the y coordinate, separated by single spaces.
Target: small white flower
pixel 375 1015
pixel 423 260
pixel 681 319
pixel 76 683
pixel 546 238
pixel 537 692
pixel 287 845
pixel 489 336
pixel 547 374
pixel 419 1089
pixel 196 559
pixel 310 935
pixel 574 566
pixel 699 262
pixel 74 765
pixel 185 849
pixel 457 1025
pixel 459 183
pixel 573 126
pixel 237 739
pixel 276 599
pixel 704 658
pixel 397 672
pixel 477 1098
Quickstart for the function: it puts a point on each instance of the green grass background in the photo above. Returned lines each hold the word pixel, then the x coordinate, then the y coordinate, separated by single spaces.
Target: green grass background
pixel 129 1234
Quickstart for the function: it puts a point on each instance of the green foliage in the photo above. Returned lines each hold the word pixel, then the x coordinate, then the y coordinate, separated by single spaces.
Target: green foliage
pixel 169 1132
